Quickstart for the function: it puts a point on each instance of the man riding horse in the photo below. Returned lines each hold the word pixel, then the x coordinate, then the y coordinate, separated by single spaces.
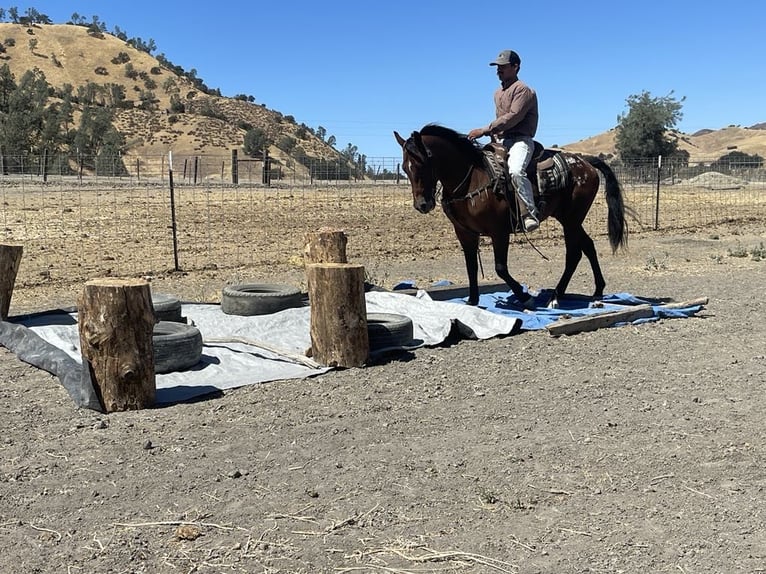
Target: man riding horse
pixel 515 126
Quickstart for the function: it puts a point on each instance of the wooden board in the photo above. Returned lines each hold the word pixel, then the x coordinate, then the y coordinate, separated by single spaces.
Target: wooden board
pixel 610 318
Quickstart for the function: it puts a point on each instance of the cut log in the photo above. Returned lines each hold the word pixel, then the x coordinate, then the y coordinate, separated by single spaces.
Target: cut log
pixel 326 245
pixel 593 322
pixel 10 259
pixel 116 322
pixel 685 304
pixel 338 328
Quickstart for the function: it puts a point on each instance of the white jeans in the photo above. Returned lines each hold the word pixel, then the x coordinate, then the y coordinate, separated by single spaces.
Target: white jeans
pixel 520 150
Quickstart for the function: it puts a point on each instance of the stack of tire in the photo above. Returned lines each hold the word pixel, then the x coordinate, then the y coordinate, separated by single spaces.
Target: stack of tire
pixel 177 345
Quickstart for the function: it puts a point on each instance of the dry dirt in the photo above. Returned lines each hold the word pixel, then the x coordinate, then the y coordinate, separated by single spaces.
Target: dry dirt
pixel 630 449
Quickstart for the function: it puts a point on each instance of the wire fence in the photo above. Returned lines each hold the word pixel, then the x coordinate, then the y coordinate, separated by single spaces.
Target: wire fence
pixel 74 227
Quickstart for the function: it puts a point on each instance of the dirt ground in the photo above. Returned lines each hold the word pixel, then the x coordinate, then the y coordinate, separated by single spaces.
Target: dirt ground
pixel 630 449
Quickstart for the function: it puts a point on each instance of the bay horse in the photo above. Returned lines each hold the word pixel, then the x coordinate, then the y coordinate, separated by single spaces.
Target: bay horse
pixel 470 199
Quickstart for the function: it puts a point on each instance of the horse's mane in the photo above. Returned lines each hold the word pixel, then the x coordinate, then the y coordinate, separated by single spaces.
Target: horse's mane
pixel 461 141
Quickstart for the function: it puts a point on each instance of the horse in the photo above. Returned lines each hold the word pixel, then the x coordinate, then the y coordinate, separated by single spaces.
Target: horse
pixel 476 207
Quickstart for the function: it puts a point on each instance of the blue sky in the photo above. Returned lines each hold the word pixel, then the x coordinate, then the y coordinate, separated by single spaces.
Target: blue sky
pixel 363 69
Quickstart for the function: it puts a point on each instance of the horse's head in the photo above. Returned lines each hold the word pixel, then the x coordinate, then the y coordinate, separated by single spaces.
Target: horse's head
pixel 417 163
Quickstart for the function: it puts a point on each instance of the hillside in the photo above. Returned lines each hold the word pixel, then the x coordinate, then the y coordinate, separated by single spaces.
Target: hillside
pixel 703 146
pixel 69 54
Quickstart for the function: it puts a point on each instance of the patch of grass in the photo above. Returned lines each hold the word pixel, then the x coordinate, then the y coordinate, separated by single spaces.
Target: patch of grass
pixel 758 253
pixel 488 497
pixel 656 264
pixel 738 251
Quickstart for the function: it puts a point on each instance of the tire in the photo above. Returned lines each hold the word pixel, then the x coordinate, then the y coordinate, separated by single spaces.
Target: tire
pixel 177 346
pixel 388 330
pixel 259 299
pixel 167 308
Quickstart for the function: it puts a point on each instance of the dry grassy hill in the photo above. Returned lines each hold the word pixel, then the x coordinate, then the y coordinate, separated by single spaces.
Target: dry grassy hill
pixel 703 146
pixel 69 54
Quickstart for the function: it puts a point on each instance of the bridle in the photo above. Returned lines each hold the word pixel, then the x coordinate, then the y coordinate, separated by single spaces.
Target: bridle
pixel 415 148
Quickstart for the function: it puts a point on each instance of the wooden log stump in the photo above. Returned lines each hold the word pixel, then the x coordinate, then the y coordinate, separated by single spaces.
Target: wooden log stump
pixel 326 245
pixel 116 322
pixel 338 314
pixel 10 259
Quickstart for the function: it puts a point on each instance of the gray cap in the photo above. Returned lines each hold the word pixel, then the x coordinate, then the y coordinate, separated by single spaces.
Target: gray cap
pixel 506 57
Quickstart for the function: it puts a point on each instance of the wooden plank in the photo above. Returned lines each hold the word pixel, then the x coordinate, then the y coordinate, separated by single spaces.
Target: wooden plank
pixel 597 321
pixel 607 319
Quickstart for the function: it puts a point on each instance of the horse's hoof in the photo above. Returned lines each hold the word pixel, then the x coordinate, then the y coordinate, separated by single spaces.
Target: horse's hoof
pixel 472 302
pixel 529 303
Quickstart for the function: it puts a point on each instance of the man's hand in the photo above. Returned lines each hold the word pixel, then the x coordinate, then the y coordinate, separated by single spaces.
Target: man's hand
pixel 476 133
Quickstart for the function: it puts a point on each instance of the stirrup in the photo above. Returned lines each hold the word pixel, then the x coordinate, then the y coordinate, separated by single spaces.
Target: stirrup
pixel 531 224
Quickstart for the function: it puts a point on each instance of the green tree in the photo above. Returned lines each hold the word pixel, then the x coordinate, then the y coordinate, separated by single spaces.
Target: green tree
pixel 96 133
pixel 27 107
pixel 256 140
pixel 644 131
pixel 7 87
pixel 350 152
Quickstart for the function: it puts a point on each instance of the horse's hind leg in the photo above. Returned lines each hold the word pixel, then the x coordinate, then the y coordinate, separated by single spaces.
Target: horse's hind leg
pixel 590 252
pixel 577 242
pixel 573 239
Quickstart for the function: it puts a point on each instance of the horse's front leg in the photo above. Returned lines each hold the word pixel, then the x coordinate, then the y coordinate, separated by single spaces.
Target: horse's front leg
pixel 469 242
pixel 500 249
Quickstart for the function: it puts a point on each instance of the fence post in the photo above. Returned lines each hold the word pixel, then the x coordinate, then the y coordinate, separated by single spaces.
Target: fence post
pixel 657 200
pixel 234 168
pixel 173 211
pixel 266 179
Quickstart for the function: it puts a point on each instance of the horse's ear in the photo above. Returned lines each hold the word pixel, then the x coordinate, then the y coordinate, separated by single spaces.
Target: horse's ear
pixel 399 138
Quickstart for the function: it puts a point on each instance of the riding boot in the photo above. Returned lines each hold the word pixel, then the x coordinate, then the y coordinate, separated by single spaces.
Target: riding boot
pixel 524 191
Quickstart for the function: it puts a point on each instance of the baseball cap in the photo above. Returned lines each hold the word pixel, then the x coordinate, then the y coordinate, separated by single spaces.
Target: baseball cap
pixel 506 57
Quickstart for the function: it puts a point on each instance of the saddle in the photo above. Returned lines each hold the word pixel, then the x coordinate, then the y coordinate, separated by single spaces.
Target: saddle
pixel 547 170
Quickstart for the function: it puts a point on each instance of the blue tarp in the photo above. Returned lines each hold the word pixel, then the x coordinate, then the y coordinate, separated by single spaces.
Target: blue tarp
pixel 506 303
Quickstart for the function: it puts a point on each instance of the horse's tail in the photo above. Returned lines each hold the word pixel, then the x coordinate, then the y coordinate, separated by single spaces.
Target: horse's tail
pixel 618 227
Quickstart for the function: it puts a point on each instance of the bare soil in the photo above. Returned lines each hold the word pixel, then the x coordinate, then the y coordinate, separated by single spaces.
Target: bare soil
pixel 631 449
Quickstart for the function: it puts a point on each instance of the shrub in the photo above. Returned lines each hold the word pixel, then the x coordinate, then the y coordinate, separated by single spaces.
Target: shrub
pixel 121 58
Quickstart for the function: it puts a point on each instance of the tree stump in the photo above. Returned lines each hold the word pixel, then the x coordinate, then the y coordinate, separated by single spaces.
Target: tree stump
pixel 326 245
pixel 338 314
pixel 10 259
pixel 116 323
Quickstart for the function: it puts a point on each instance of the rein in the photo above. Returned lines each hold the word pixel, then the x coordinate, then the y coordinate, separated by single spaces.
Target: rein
pixel 471 194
